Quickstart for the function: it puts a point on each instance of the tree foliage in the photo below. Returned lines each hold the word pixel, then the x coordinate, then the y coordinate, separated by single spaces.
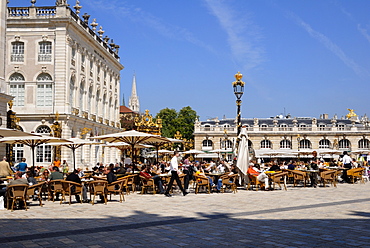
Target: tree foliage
pixel 182 121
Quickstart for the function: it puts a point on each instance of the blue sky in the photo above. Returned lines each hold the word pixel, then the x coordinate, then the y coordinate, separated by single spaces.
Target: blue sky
pixel 305 57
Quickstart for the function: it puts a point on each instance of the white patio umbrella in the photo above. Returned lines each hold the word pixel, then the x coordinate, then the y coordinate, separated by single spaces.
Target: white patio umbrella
pixel 132 138
pixel 193 152
pixel 32 142
pixel 243 153
pixel 5 132
pixel 73 144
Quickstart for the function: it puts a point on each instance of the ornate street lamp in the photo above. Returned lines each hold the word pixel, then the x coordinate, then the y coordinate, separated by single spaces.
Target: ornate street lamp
pixel 238 86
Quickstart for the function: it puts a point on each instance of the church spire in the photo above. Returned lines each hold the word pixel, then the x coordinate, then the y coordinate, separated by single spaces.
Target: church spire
pixel 134 104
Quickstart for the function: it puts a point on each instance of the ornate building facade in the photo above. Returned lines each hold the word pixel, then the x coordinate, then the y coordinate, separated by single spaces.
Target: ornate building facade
pixel 287 135
pixel 65 79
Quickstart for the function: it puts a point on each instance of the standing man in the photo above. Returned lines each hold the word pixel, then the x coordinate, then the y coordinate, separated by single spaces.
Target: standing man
pixel 5 168
pixel 174 168
pixel 347 164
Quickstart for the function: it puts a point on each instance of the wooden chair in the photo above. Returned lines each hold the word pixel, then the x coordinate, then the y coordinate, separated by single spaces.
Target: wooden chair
pixel 299 176
pixel 117 188
pixel 254 181
pixel 36 190
pixel 131 183
pixel 329 176
pixel 71 188
pixel 278 178
pixel 356 174
pixel 16 193
pixel 98 187
pixel 229 181
pixel 55 186
pixel 147 184
pixel 202 181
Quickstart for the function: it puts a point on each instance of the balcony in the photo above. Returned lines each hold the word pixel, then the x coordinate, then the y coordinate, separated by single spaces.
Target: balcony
pixel 75 111
pixel 17 58
pixel 44 58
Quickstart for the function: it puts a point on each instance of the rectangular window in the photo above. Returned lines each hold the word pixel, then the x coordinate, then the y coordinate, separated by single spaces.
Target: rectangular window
pixel 44 52
pixel 17 54
pixel 44 95
pixel 17 90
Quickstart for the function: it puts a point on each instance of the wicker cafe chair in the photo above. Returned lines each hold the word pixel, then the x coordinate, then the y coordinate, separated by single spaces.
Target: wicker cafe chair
pixel 229 181
pixel 36 190
pixel 98 187
pixel 131 183
pixel 299 176
pixel 356 174
pixel 71 188
pixel 125 187
pixel 329 176
pixel 147 184
pixel 117 188
pixel 16 193
pixel 55 186
pixel 254 181
pixel 202 182
pixel 278 178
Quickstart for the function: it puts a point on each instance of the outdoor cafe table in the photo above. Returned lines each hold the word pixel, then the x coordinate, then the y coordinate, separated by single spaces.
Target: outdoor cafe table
pixel 215 176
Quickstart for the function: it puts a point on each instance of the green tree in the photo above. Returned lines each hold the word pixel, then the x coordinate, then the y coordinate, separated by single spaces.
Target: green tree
pixel 169 123
pixel 183 121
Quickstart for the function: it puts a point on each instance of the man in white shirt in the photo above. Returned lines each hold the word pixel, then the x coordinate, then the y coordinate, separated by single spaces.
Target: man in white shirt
pixel 174 168
pixel 347 164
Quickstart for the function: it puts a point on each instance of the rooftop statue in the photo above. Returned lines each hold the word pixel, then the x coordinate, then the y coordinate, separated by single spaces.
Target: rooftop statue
pixel 61 3
pixel 351 114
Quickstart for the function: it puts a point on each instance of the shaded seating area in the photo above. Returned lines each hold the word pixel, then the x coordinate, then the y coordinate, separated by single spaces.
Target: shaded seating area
pixel 229 182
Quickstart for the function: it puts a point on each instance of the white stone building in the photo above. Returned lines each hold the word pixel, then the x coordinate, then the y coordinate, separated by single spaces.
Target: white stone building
pixel 60 68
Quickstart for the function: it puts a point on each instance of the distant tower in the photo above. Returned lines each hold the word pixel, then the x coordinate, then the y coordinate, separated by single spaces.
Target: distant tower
pixel 133 102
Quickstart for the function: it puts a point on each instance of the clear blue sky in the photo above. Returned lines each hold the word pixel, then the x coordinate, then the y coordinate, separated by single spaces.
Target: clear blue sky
pixel 308 57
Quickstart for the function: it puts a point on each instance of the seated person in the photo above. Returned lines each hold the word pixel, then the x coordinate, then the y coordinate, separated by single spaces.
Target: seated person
pixel 261 176
pixel 56 174
pixel 31 180
pixel 18 179
pixel 73 177
pixel 274 167
pixel 292 165
pixel 233 171
pixel 157 179
pixel 202 174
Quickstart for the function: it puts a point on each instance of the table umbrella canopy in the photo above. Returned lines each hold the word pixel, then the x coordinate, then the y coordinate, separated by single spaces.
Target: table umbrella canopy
pixel 243 153
pixel 5 132
pixel 133 138
pixel 193 152
pixel 32 142
pixel 124 145
pixel 73 144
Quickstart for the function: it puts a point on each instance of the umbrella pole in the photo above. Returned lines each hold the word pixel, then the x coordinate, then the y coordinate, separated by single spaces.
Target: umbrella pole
pixel 74 158
pixel 133 153
pixel 33 160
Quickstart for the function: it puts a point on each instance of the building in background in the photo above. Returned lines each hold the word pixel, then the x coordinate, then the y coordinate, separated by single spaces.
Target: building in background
pixel 286 137
pixel 65 79
pixel 133 102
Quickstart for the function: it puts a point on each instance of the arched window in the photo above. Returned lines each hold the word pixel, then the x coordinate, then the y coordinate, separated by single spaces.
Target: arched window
pixel 44 93
pixel 305 144
pixel 17 88
pixel 44 51
pixel 226 144
pixel 285 144
pixel 43 152
pixel 344 144
pixel 363 144
pixel 324 144
pixel 207 143
pixel 207 128
pixel 266 144
pixel 17 53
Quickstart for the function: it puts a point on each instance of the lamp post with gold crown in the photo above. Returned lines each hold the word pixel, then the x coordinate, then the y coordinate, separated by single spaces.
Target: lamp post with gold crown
pixel 238 86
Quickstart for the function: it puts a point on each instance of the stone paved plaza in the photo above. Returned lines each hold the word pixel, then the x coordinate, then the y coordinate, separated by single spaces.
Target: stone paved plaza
pixel 299 217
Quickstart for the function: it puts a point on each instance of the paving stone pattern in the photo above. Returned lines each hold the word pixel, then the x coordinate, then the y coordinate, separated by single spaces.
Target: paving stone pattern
pixel 299 217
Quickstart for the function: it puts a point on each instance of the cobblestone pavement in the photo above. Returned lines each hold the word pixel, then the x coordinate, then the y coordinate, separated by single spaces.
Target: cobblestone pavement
pixel 299 217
